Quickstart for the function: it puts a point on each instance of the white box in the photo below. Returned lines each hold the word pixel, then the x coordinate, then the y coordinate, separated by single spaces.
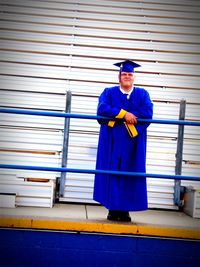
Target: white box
pixel 192 202
pixel 7 200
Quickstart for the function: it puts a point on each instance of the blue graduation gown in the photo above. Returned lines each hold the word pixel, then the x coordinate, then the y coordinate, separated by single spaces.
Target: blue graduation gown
pixel 120 152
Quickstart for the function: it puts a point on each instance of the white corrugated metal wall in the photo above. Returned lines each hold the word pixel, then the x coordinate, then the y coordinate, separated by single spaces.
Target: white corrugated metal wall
pixel 49 47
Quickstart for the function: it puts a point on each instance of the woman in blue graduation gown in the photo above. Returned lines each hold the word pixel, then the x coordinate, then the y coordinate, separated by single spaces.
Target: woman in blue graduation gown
pixel 122 146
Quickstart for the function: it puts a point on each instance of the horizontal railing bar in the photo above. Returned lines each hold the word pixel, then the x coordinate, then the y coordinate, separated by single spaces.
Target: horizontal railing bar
pixel 62 169
pixel 86 116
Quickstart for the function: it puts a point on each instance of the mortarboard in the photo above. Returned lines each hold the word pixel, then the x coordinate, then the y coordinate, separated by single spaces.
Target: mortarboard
pixel 127 66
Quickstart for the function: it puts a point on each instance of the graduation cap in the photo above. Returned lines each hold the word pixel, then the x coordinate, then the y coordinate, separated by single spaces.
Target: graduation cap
pixel 127 66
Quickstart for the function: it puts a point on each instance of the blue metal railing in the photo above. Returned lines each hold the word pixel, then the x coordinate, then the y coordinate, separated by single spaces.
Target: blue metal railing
pixel 85 116
pixel 62 169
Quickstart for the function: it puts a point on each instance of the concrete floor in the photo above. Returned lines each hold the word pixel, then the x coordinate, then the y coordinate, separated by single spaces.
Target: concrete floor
pixel 92 213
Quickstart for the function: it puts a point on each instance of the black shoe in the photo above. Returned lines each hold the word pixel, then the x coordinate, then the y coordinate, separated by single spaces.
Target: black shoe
pixel 120 216
pixel 125 217
pixel 113 215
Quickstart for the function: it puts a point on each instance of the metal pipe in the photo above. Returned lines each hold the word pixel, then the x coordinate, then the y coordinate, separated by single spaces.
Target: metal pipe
pixel 179 156
pixel 86 116
pixel 62 169
pixel 65 144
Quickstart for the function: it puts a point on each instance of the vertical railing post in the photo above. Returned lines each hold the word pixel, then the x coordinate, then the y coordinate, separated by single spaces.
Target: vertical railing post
pixel 65 144
pixel 179 155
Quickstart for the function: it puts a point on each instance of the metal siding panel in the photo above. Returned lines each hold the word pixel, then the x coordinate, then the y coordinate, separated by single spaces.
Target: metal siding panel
pixel 28 44
pixel 29 194
pixel 70 30
pixel 53 40
pixel 15 175
pixel 30 84
pixel 33 100
pixel 28 121
pixel 158 94
pixel 21 158
pixel 135 44
pixel 103 9
pixel 34 202
pixel 64 60
pixel 95 75
pixel 101 24
pixel 109 17
pixel 149 4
